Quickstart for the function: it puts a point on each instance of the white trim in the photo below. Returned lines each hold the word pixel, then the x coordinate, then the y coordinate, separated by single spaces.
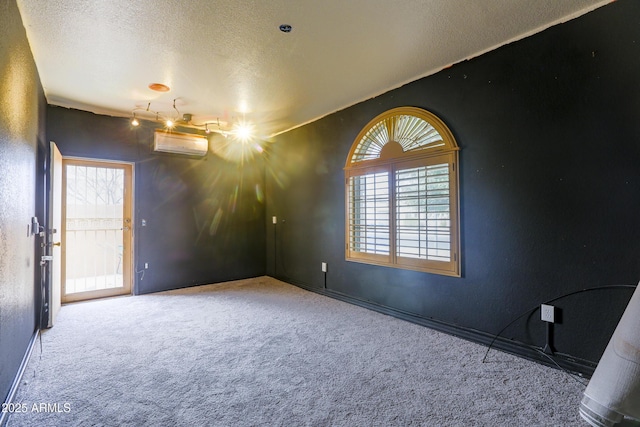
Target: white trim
pixel 4 416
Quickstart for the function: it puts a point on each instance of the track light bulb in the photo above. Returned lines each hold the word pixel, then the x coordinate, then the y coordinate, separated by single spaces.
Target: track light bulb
pixel 169 123
pixel 135 122
pixel 243 131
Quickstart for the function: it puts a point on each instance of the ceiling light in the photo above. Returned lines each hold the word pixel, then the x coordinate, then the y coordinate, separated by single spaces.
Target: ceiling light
pixel 243 131
pixel 169 121
pixel 237 130
pixel 159 87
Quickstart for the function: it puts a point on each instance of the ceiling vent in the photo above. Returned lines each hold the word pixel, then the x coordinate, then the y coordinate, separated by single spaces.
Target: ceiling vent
pixel 180 143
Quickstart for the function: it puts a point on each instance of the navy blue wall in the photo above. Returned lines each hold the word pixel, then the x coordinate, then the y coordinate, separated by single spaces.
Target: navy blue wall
pixel 204 216
pixel 22 107
pixel 550 189
pixel 550 192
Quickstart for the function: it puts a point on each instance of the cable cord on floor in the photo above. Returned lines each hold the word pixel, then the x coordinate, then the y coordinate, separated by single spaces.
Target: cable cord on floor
pixel 532 310
pixel 557 365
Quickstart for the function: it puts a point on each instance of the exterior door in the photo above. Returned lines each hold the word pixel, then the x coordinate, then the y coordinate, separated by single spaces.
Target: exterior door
pixel 97 229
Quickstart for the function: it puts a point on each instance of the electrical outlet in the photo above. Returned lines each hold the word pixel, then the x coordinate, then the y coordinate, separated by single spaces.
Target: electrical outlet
pixel 324 267
pixel 146 265
pixel 547 313
pixel 274 220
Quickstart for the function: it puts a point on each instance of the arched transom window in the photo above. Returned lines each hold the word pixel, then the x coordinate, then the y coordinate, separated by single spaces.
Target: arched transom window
pixel 402 193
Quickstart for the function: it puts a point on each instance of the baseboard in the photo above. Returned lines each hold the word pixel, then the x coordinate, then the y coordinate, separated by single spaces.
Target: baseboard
pixel 4 416
pixel 566 362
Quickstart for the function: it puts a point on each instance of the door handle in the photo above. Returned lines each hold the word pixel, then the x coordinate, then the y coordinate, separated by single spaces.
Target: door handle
pixel 56 244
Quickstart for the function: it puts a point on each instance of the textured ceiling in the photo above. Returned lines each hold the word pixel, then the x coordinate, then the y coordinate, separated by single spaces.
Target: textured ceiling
pixel 226 60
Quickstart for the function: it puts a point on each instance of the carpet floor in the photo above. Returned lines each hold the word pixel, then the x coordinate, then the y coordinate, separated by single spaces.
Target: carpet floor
pixel 260 352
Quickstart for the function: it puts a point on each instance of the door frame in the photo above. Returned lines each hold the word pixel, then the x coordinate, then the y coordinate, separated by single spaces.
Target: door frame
pixel 51 259
pixel 129 187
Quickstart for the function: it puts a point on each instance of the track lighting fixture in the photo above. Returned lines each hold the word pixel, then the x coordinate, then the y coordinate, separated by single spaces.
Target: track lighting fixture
pixel 239 130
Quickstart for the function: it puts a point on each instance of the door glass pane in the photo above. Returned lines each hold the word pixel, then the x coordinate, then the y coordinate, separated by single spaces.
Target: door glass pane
pixel 94 221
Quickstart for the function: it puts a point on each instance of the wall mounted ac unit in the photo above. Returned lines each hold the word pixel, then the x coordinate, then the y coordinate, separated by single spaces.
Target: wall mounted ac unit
pixel 180 143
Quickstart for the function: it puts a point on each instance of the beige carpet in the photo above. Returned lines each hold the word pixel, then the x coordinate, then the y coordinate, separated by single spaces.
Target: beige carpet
pixel 261 352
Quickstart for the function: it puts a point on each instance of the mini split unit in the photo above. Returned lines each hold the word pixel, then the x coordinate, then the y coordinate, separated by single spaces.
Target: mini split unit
pixel 180 143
